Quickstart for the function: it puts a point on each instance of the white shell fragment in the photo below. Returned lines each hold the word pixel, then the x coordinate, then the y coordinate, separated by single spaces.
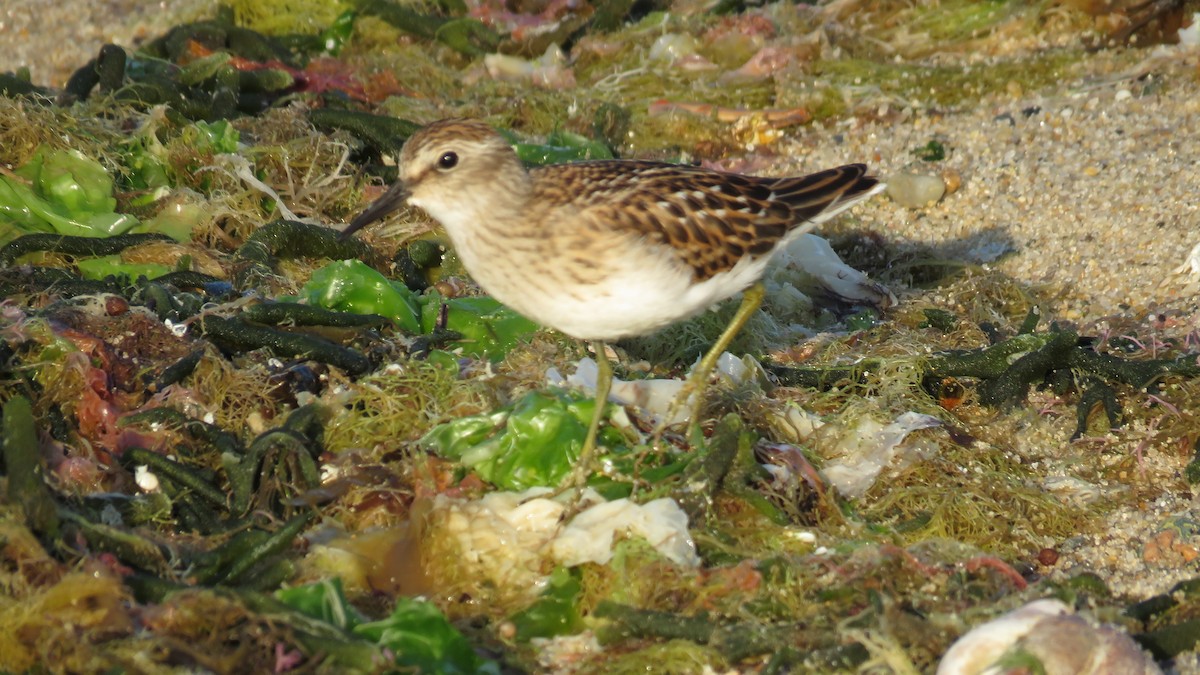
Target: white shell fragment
pixel 1192 263
pixel 1190 37
pixel 871 446
pixel 1047 630
pixel 653 396
pixel 589 537
pixel 797 424
pixel 145 478
pixel 504 541
pixel 548 71
pixel 814 256
pixel 672 47
pixel 525 525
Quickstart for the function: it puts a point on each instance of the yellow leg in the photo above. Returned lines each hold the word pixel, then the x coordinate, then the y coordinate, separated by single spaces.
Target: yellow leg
pixel 751 300
pixel 578 477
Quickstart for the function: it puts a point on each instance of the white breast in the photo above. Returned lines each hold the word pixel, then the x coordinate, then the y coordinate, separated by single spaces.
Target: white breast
pixel 641 293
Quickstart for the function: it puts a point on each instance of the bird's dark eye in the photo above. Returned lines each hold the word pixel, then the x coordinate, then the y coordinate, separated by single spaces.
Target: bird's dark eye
pixel 448 160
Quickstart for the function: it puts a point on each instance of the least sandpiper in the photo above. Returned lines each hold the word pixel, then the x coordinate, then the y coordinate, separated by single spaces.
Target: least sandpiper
pixel 603 250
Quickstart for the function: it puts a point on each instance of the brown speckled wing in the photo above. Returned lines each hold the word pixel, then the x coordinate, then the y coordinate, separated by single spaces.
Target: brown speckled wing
pixel 711 219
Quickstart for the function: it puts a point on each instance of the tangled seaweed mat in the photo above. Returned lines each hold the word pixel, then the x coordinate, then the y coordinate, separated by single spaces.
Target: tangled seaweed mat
pixel 182 439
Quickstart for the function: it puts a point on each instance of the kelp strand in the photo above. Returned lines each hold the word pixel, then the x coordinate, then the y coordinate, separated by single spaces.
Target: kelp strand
pixel 178 473
pixel 69 245
pixel 237 335
pixel 23 464
pixel 296 314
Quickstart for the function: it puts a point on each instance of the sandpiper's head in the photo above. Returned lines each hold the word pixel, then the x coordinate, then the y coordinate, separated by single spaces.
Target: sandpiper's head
pixel 449 154
pixel 443 164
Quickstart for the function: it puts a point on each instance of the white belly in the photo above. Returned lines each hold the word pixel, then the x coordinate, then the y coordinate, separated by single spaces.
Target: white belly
pixel 632 300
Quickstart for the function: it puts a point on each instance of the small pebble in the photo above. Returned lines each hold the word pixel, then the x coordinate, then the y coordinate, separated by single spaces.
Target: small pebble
pixel 145 479
pixel 451 287
pixel 672 47
pixel 1047 556
pixel 115 305
pixel 913 190
pixel 952 179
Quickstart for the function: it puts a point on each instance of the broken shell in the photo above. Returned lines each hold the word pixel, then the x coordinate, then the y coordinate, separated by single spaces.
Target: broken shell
pixel 1046 630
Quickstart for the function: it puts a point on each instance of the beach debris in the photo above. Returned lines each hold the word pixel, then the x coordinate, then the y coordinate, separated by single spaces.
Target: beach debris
pixel 549 70
pixel 654 396
pixel 773 117
pixel 812 256
pixel 953 180
pixel 1048 636
pixel 505 544
pixel 915 190
pixel 864 451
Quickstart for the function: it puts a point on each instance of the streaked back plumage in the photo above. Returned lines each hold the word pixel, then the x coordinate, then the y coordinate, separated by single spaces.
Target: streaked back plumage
pixel 711 219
